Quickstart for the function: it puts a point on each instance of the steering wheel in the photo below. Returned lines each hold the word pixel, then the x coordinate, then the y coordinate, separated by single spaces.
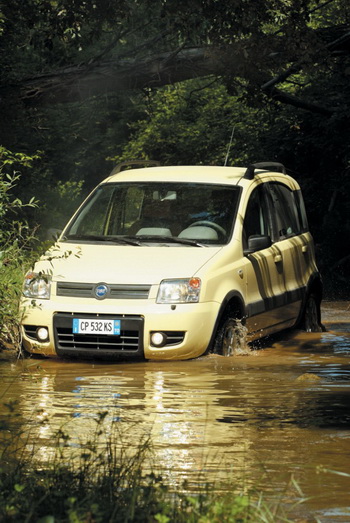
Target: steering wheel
pixel 212 225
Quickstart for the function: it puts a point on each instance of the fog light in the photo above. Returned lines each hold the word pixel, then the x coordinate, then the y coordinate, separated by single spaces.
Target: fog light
pixel 42 334
pixel 158 339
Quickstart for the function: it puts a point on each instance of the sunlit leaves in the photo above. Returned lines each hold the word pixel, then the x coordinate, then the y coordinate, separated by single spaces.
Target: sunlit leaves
pixel 192 123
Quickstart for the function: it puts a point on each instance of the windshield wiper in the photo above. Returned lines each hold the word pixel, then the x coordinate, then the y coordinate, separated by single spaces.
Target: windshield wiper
pixel 168 239
pixel 133 240
pixel 99 238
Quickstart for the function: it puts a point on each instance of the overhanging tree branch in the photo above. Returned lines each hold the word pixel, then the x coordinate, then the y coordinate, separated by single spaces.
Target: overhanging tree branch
pixel 269 88
pixel 285 98
pixel 82 81
pixel 99 77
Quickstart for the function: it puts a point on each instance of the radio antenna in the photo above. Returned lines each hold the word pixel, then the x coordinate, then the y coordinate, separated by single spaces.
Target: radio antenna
pixel 229 146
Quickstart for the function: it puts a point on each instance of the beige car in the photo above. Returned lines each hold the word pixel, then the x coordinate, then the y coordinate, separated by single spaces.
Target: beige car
pixel 170 262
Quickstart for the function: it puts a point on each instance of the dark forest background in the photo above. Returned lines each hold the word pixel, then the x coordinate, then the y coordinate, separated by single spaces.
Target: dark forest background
pixel 85 84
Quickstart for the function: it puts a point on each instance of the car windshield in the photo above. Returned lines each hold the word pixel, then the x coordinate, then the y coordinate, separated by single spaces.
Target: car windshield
pixel 148 212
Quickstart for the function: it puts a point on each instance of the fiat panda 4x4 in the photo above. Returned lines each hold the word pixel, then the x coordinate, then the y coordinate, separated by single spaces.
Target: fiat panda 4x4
pixel 169 262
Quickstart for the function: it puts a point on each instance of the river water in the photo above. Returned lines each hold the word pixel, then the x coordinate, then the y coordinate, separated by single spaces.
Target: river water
pixel 282 412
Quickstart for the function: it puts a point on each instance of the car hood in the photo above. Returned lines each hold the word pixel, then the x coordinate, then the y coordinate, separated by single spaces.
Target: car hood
pixel 123 264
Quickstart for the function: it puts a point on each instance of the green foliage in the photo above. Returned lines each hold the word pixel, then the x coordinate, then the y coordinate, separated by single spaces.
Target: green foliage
pixel 192 123
pixel 16 237
pixel 37 35
pixel 75 140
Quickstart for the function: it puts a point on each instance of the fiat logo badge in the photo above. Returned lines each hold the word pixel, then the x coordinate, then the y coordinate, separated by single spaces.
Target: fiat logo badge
pixel 101 291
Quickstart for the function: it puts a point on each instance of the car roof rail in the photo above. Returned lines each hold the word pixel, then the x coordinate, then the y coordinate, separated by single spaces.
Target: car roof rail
pixel 266 166
pixel 129 163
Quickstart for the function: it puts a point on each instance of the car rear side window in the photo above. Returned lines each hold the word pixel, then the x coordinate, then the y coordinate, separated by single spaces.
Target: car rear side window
pixel 285 210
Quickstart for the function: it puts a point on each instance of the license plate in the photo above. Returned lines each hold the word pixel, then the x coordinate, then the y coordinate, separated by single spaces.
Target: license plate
pixel 96 326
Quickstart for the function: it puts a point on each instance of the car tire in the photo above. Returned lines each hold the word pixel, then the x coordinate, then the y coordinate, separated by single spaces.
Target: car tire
pixel 230 338
pixel 312 315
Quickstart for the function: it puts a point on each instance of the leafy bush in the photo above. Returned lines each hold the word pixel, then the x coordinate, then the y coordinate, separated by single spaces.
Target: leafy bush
pixel 16 238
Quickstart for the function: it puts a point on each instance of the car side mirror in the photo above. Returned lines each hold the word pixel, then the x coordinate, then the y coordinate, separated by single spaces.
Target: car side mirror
pixel 257 242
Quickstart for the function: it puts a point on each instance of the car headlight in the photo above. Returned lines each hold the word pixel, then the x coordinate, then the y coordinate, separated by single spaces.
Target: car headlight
pixel 179 291
pixel 37 285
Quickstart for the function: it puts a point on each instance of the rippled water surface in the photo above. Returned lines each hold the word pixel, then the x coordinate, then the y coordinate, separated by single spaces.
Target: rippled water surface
pixel 257 420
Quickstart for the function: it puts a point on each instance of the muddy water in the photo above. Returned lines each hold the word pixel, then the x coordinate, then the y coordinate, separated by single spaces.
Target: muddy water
pixel 258 420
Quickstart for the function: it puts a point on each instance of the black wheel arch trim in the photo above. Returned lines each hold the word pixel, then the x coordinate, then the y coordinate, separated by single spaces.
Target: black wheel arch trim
pixel 314 284
pixel 241 308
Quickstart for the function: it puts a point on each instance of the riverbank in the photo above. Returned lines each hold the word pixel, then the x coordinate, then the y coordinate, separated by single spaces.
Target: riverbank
pixel 107 483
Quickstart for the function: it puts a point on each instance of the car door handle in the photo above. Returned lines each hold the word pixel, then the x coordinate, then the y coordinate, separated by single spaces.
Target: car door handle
pixel 277 258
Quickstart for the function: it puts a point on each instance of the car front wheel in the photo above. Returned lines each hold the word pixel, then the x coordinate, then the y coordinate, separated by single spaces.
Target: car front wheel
pixel 231 338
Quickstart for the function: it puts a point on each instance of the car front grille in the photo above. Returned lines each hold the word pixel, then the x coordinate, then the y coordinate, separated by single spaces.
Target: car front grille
pixel 128 344
pixel 115 291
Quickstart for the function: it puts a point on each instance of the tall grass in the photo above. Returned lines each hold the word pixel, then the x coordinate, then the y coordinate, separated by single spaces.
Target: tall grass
pixel 104 479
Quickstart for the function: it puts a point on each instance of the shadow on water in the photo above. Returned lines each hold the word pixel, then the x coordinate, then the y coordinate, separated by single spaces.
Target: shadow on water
pixel 311 410
pixel 254 419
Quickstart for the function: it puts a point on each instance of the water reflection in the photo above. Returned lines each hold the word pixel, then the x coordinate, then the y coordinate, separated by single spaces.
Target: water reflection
pixel 257 419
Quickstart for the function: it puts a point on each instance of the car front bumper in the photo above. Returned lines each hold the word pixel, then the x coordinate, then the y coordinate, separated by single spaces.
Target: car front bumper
pixel 187 328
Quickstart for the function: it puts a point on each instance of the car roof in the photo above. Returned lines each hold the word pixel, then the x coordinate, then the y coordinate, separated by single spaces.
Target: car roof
pixel 183 173
pixel 199 174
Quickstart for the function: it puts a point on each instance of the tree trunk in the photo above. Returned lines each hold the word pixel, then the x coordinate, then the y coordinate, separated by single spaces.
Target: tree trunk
pixel 83 81
pixel 99 77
